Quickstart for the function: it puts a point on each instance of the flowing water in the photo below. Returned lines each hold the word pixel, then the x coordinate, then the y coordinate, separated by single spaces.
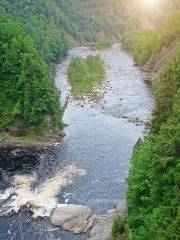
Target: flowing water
pixel 90 165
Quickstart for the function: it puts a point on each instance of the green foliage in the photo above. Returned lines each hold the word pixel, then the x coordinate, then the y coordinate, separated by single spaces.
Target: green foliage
pixel 153 183
pixel 49 22
pixel 40 33
pixel 84 74
pixel 44 22
pixel 97 16
pixel 118 227
pixel 103 43
pixel 27 91
pixel 145 44
pixel 166 90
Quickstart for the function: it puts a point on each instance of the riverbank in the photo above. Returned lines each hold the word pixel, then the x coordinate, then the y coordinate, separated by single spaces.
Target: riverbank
pixel 152 194
pixel 81 219
pixel 38 142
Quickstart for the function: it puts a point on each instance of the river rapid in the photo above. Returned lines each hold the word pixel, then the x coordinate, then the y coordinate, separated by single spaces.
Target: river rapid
pixel 90 165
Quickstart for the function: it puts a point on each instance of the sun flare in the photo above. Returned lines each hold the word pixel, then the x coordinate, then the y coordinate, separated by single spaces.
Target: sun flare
pixel 150 3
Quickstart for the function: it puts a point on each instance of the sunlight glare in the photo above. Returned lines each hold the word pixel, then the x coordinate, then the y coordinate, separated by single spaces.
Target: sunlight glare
pixel 150 3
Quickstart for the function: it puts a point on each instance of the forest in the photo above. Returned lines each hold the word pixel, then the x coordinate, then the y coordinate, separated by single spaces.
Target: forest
pixel 34 35
pixel 153 191
pixel 27 90
pixel 51 22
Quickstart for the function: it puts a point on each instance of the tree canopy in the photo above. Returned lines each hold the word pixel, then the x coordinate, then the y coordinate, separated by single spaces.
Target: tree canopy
pixel 27 91
pixel 153 183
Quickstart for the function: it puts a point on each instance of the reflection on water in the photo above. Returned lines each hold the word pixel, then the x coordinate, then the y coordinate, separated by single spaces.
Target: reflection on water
pixel 99 139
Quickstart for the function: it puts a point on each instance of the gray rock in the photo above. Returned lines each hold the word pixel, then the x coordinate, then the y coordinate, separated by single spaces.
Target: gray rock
pixel 102 229
pixel 79 219
pixel 75 218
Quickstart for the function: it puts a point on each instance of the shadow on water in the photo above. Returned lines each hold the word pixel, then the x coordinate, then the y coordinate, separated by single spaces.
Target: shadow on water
pixel 16 161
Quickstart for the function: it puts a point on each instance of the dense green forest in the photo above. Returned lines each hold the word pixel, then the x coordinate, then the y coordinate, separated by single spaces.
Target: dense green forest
pixel 51 22
pixel 153 183
pixel 27 91
pixel 34 34
pixel 96 16
pixel 85 74
pixel 45 23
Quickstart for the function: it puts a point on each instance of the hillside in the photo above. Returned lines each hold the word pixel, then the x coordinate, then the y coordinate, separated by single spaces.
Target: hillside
pixel 146 44
pixel 49 21
pixel 44 22
pixel 95 16
pixel 34 35
pixel 28 97
pixel 153 182
pixel 151 14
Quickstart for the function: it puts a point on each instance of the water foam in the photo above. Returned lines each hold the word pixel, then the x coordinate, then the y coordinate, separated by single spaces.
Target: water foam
pixel 42 200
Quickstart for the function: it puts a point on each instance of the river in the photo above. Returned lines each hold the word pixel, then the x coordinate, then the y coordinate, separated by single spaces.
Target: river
pixel 90 165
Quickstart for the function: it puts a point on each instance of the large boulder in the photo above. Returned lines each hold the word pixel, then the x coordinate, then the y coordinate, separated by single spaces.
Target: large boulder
pixel 75 218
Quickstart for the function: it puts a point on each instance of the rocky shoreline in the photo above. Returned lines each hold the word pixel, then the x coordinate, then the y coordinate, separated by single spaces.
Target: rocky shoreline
pixel 80 219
